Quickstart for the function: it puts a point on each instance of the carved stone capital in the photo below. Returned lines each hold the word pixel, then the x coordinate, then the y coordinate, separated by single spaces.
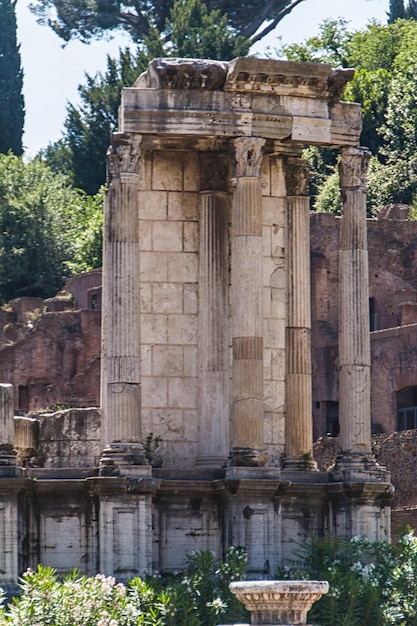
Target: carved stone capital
pixel 297 175
pixel 184 74
pixel 247 154
pixel 123 154
pixel 279 601
pixel 353 167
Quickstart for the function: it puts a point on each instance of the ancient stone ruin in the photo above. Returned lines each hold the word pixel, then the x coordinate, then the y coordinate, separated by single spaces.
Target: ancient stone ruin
pixel 206 425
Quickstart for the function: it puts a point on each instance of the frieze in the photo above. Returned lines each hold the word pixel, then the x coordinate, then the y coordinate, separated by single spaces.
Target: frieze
pixel 281 77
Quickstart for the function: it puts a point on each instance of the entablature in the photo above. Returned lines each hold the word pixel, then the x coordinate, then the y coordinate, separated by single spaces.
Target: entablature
pixel 278 100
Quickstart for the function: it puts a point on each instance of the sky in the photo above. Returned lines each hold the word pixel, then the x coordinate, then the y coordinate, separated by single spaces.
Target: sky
pixel 52 72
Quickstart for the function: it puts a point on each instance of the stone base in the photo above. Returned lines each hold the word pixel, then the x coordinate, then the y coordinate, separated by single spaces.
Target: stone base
pixel 301 465
pixel 358 467
pixel 248 457
pixel 8 468
pixel 211 461
pixel 242 472
pixel 124 459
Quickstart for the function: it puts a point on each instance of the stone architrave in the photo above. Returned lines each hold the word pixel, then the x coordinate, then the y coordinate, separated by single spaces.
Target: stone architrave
pixel 298 425
pixel 354 340
pixel 121 397
pixel 246 302
pixel 213 290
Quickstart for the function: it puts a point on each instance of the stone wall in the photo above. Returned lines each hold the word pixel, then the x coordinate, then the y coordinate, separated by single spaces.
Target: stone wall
pixel 55 362
pixel 169 304
pixel 393 294
pixel 398 453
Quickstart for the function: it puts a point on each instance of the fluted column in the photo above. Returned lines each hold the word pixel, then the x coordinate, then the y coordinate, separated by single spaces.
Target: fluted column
pixel 213 441
pixel 298 422
pixel 246 302
pixel 7 454
pixel 121 398
pixel 354 340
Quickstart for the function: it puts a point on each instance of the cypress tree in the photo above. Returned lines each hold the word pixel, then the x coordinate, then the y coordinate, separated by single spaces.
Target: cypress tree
pixel 12 110
pixel 411 10
pixel 396 10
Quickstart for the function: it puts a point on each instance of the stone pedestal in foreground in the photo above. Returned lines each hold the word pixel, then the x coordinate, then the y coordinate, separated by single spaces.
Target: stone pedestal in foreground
pixel 284 602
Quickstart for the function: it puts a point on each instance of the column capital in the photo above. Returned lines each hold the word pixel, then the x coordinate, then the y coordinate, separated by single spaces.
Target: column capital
pixel 247 155
pixel 297 175
pixel 123 154
pixel 353 167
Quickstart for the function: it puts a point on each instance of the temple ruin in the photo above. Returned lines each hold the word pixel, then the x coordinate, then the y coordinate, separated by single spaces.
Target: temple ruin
pixel 206 382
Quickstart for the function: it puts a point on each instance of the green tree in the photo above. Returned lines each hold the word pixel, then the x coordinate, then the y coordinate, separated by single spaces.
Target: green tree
pixel 12 110
pixel 385 84
pixel 48 230
pixel 411 11
pixel 396 11
pixel 88 19
pixel 194 32
pixel 81 152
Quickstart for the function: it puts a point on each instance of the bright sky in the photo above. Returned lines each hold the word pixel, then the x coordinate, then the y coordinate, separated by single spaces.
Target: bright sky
pixel 52 73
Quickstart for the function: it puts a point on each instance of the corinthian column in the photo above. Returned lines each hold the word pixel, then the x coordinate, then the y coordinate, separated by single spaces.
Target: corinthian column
pixel 354 342
pixel 298 422
pixel 120 386
pixel 246 302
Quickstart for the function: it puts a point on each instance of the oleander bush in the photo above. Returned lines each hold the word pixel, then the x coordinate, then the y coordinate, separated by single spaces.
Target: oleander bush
pixel 370 582
pixel 199 596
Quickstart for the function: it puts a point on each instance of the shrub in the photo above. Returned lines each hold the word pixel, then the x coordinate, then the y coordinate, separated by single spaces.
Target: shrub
pixel 371 582
pixel 195 597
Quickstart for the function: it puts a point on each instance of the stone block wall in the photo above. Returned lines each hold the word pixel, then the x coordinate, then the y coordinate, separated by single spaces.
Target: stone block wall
pixel 275 302
pixel 169 268
pixel 168 230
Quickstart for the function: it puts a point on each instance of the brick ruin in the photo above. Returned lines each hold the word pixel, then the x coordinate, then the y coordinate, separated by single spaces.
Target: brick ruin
pixel 205 434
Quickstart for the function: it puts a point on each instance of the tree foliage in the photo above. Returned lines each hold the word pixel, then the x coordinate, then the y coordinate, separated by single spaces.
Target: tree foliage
pixel 385 84
pixel 370 582
pixel 12 111
pixel 88 127
pixel 89 19
pixel 48 230
pixel 398 10
pixel 195 32
pixel 198 596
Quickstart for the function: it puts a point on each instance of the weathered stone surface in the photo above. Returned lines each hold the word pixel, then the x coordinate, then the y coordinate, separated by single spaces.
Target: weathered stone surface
pixel 276 602
pixel 55 362
pixel 206 336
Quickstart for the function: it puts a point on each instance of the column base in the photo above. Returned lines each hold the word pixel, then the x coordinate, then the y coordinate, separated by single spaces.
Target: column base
pixel 302 464
pixel 248 457
pixel 123 459
pixel 358 467
pixel 8 467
